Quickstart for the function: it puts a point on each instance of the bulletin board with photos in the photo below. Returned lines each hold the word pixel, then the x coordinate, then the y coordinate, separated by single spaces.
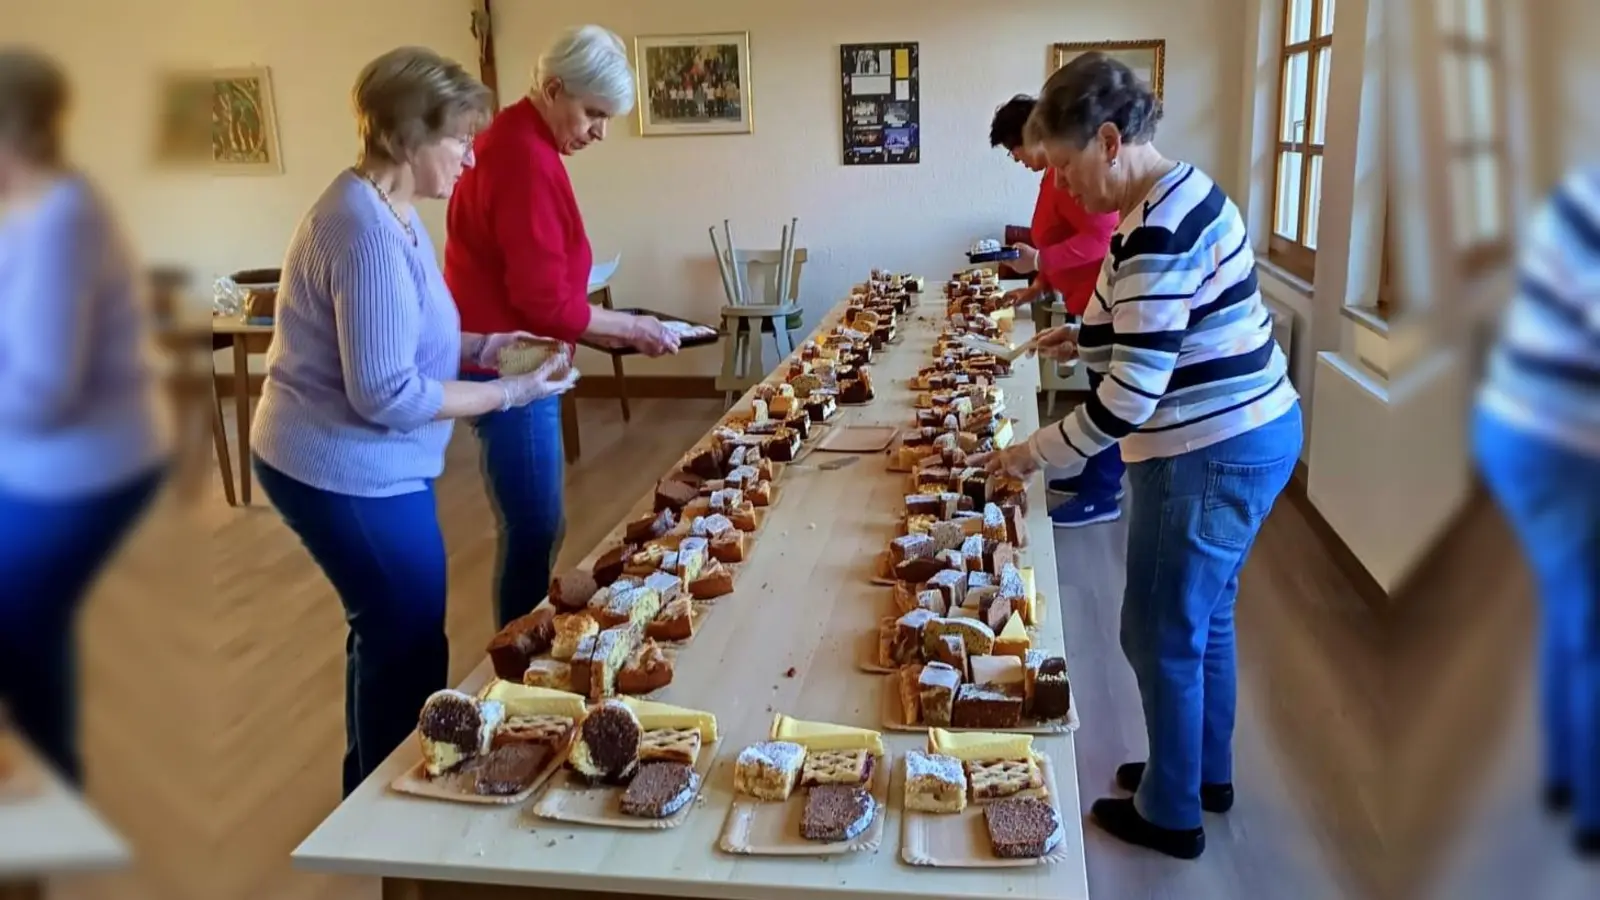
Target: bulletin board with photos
pixel 881 104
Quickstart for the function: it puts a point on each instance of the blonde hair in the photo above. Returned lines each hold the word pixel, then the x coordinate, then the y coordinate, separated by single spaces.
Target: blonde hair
pixel 33 104
pixel 592 63
pixel 412 96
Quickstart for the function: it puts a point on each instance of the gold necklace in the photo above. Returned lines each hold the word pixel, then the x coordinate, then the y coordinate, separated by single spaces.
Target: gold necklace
pixel 384 196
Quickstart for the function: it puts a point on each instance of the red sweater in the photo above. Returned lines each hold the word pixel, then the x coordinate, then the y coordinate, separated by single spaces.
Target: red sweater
pixel 516 256
pixel 1071 244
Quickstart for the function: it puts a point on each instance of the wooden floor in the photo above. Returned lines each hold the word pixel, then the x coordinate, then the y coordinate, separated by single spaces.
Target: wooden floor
pixel 214 659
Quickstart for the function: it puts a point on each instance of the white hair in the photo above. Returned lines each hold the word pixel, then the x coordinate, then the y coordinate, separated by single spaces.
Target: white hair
pixel 592 62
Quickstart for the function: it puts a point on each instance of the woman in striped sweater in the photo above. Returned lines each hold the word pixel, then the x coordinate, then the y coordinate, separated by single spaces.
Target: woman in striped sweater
pixel 363 386
pixel 1537 438
pixel 1197 394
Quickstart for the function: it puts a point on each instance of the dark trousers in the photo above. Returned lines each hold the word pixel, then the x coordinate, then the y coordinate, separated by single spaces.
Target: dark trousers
pixel 1102 474
pixel 385 557
pixel 524 465
pixel 50 554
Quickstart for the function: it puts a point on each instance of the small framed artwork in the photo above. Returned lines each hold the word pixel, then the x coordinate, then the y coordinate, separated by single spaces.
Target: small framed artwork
pixel 224 120
pixel 694 84
pixel 1147 59
pixel 882 114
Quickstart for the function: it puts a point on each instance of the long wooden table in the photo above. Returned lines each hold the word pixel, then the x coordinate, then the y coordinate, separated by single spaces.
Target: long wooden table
pixel 46 829
pixel 803 603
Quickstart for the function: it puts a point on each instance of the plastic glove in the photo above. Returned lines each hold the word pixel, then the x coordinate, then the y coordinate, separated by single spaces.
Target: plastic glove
pixel 652 338
pixel 1058 343
pixel 555 377
pixel 488 352
pixel 1017 461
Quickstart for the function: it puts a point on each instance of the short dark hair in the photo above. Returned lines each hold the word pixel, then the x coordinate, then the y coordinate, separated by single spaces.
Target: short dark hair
pixel 33 103
pixel 1006 129
pixel 1092 90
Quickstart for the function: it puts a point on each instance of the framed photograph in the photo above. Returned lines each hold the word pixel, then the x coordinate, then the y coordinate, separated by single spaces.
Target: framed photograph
pixel 1147 59
pixel 881 104
pixel 224 120
pixel 694 84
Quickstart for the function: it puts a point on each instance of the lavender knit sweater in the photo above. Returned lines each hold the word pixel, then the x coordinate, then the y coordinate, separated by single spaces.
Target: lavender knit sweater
pixel 366 334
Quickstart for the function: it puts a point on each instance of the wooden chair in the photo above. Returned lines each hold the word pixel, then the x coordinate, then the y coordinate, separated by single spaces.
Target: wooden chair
pixel 758 311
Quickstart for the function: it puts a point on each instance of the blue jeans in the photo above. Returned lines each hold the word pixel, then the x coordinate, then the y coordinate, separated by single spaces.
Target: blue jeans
pixel 50 554
pixel 1102 474
pixel 385 557
pixel 1551 496
pixel 525 465
pixel 1193 520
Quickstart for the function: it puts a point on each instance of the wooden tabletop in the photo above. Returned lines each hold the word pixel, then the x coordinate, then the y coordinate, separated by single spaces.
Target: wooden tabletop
pixel 803 603
pixel 45 828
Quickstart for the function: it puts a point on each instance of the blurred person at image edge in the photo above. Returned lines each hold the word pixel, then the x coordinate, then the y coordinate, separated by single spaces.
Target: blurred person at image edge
pixel 1197 392
pixel 1536 436
pixel 83 441
pixel 363 387
pixel 517 257
pixel 1071 246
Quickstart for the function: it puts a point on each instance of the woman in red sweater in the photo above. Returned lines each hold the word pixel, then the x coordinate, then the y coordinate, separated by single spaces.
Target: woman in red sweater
pixel 517 259
pixel 1069 244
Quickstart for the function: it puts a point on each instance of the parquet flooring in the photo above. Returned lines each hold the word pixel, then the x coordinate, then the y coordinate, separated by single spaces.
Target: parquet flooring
pixel 214 665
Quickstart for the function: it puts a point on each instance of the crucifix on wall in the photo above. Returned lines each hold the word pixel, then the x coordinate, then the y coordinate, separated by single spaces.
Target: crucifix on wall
pixel 483 30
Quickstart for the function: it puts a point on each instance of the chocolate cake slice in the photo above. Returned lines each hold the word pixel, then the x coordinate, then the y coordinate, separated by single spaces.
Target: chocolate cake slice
pixel 509 769
pixel 1022 827
pixel 520 641
pixel 837 812
pixel 607 748
pixel 572 590
pixel 660 790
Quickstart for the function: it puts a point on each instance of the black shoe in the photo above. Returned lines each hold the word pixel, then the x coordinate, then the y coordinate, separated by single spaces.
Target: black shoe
pixel 1557 798
pixel 1123 821
pixel 1217 798
pixel 1587 842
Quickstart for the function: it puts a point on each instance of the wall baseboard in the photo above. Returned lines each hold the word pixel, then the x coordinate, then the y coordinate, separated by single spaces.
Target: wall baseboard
pixel 1367 587
pixel 640 387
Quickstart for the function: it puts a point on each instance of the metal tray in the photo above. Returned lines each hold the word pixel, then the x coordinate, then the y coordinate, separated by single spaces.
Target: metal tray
pixel 665 317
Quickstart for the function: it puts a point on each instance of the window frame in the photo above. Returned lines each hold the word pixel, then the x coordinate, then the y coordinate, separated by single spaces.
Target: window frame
pixel 1456 47
pixel 1292 254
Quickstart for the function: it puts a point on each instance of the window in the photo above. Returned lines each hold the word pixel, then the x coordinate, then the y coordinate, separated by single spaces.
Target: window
pixel 1302 127
pixel 1474 67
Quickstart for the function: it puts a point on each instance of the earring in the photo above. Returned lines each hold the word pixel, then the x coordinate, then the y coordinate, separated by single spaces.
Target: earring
pixel 1114 163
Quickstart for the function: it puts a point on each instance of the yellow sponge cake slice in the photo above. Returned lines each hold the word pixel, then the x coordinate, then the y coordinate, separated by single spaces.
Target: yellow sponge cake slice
pixel 654 716
pixel 818 736
pixel 973 746
pixel 524 701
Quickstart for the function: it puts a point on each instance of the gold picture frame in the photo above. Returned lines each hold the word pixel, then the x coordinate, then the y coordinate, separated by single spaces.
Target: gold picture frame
pixel 1147 58
pixel 694 84
pixel 224 120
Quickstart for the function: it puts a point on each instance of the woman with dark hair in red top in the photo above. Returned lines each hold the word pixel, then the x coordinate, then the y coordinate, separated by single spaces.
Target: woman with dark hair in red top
pixel 517 259
pixel 1069 244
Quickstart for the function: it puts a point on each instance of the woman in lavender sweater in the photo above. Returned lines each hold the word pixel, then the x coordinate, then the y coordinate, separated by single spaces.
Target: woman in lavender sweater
pixel 363 384
pixel 82 447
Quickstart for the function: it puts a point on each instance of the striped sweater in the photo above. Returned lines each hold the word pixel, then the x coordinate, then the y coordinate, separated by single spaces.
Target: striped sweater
pixel 366 336
pixel 1544 371
pixel 1178 328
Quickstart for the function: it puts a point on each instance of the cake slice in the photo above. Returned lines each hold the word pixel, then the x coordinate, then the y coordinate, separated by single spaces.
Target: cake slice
pixel 1023 828
pixel 731 547
pixel 1016 525
pixel 938 684
pixel 999 672
pixel 654 715
pixel 934 783
pixel 848 767
pixel 949 650
pixel 908 687
pixel 976 636
pixel 660 790
pixel 714 581
pixel 680 745
pixel 994 523
pixel 548 673
pixel 607 745
pixel 906 645
pixel 836 812
pixel 1052 694
pixel 600 658
pixel 693 553
pixel 521 640
pixel 995 779
pixel 570 630
pixel 651 526
pixel 631 606
pixel 952 583
pixel 817 736
pixel 549 732
pixel 675 622
pixel 510 769
pixel 1013 638
pixel 644 561
pixel 649 668
pixel 980 706
pixel 910 546
pixel 933 601
pixel 673 494
pixel 570 591
pixel 608 568
pixel 455 727
pixel 768 770
pixel 667 583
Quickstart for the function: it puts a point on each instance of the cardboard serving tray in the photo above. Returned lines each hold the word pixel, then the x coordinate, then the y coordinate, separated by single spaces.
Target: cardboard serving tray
pixel 456 786
pixel 894 716
pixel 961 840
pixel 870 657
pixel 859 439
pixel 569 799
pixel 760 828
